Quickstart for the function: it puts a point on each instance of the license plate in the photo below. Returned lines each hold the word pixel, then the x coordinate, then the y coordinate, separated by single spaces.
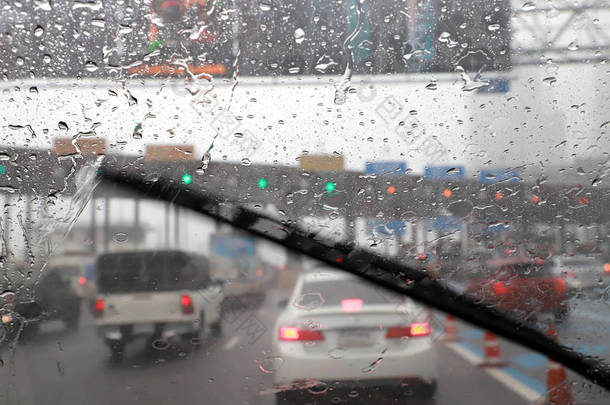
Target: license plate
pixel 141 297
pixel 355 337
pixel 143 329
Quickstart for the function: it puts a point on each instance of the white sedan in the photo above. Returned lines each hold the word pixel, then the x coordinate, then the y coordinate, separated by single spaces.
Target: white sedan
pixel 339 334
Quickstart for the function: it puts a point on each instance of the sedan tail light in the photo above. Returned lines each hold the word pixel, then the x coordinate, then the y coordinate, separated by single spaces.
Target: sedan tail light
pixel 560 285
pixel 501 288
pixel 413 330
pixel 290 333
pixel 187 304
pixel 99 307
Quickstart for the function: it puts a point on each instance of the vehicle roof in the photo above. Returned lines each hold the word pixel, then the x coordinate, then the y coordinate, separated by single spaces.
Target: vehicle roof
pixel 578 258
pixel 507 261
pixel 326 274
pixel 150 252
pixel 70 259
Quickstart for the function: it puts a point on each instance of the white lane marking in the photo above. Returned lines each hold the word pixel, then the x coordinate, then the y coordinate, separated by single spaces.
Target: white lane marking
pixel 465 353
pixel 231 343
pixel 510 382
pixel 593 316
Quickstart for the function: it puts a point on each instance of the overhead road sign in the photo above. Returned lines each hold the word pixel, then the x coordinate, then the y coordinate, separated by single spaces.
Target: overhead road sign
pixel 499 175
pixel 385 168
pixel 89 146
pixel 321 163
pixel 445 172
pixel 385 227
pixel 444 223
pixel 169 152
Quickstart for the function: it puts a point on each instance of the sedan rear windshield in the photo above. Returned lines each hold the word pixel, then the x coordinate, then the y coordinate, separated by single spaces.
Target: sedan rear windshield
pixel 334 292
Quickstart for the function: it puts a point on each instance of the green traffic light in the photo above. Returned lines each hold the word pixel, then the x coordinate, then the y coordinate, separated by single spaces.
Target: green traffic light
pixel 2 169
pixel 187 178
pixel 330 186
pixel 262 182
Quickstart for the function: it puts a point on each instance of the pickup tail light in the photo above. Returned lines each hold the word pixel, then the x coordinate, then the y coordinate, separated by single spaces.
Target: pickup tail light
pixel 187 304
pixel 99 307
pixel 414 330
pixel 291 333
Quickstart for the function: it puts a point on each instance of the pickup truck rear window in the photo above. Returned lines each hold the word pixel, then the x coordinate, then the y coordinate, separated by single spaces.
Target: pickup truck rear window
pixel 134 272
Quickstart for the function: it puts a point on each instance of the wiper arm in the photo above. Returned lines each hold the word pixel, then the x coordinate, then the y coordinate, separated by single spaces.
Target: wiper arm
pixel 388 273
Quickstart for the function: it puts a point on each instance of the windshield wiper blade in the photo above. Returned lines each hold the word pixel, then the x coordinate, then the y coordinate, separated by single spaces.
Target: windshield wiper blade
pixel 388 273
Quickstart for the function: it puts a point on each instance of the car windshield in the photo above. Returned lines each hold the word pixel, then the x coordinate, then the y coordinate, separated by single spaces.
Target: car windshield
pixel 291 202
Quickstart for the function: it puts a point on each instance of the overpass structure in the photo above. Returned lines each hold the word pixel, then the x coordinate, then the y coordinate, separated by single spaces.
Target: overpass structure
pixel 482 210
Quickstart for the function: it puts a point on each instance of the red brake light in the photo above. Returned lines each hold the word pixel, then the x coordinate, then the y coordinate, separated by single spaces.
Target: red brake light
pixel 560 285
pixel 82 280
pixel 501 288
pixel 187 304
pixel 296 334
pixel 99 306
pixel 414 330
pixel 351 304
pixel 289 333
pixel 420 329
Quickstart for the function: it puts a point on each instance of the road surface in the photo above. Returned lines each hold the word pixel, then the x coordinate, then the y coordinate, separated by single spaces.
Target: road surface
pixel 60 366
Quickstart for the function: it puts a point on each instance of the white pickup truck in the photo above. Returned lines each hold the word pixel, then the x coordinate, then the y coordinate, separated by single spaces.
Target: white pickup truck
pixel 159 295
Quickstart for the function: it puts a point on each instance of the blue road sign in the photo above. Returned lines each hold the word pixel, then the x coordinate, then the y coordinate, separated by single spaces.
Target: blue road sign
pixel 498 227
pixel 385 228
pixel 385 168
pixel 444 223
pixel 499 175
pixel 444 172
pixel 232 246
pixel 496 86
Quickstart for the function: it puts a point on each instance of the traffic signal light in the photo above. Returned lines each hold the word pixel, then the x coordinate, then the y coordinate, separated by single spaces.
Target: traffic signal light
pixel 2 169
pixel 391 189
pixel 447 193
pixel 187 179
pixel 330 186
pixel 262 183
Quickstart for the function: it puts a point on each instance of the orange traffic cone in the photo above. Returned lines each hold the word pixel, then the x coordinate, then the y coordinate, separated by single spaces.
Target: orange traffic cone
pixel 451 329
pixel 557 384
pixel 493 358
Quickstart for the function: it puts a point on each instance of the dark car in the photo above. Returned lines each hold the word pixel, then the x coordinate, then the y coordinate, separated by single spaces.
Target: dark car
pixel 521 285
pixel 56 294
